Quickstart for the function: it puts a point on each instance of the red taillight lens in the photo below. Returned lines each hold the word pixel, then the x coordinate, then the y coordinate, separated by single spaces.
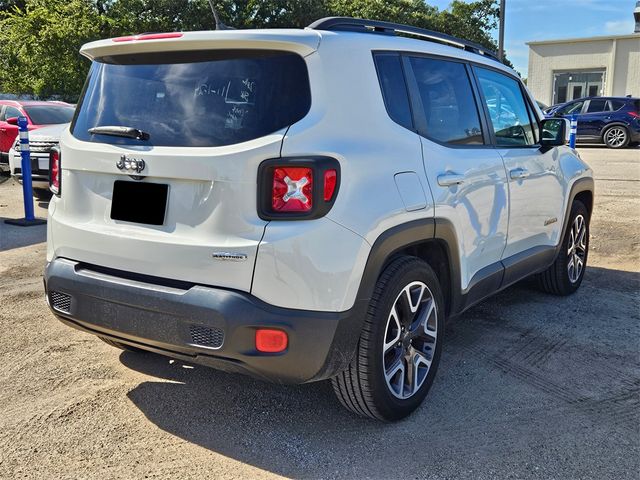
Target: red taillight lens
pixel 55 171
pixel 292 189
pixel 330 179
pixel 634 114
pixel 271 341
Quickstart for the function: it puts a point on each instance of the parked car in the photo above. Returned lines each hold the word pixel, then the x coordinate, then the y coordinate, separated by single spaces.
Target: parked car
pixel 614 121
pixel 207 209
pixel 38 114
pixel 41 142
pixel 542 106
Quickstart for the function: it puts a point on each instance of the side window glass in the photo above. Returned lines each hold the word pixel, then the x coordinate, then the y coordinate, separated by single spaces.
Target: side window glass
pixel 571 108
pixel 11 112
pixel 394 89
pixel 616 104
pixel 596 106
pixel 507 108
pixel 446 95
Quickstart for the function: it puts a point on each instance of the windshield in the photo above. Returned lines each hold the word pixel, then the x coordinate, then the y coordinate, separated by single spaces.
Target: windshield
pixel 49 114
pixel 194 99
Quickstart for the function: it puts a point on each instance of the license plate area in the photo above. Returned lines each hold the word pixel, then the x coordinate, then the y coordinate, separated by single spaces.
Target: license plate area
pixel 135 202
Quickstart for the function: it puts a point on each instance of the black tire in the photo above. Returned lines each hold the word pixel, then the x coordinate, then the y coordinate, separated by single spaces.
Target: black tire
pixel 557 278
pixel 121 346
pixel 42 194
pixel 615 141
pixel 363 387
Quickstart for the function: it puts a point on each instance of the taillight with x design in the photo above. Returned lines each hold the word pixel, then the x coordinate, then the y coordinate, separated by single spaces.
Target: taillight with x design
pixel 297 189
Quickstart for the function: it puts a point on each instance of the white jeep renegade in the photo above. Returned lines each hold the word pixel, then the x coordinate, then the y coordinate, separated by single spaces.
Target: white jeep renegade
pixel 307 204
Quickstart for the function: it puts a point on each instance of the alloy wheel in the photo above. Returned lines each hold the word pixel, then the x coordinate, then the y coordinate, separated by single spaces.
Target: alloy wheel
pixel 577 248
pixel 410 340
pixel 616 137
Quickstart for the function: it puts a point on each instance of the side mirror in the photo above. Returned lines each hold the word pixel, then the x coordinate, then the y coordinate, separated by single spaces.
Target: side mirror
pixel 554 133
pixel 12 121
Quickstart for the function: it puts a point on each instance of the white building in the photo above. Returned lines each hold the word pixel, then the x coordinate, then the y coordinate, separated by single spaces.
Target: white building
pixel 561 70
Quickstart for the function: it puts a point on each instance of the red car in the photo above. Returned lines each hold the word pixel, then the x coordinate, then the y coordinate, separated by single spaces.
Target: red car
pixel 38 115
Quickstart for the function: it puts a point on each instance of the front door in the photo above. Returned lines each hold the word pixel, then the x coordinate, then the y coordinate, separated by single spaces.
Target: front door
pixel 535 190
pixel 8 132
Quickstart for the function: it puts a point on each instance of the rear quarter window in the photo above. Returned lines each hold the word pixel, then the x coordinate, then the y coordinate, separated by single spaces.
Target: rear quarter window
pixel 394 89
pixel 194 99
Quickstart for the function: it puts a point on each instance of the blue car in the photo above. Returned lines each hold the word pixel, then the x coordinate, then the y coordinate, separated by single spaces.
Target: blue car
pixel 614 121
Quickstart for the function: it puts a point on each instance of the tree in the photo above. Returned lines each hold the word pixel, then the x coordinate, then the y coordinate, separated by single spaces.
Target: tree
pixel 39 53
pixel 40 39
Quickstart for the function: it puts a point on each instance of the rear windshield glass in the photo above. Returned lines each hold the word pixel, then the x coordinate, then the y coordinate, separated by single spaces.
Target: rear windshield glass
pixel 194 99
pixel 49 115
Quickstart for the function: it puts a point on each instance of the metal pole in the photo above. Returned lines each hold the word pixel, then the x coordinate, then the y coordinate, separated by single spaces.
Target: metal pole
pixel 501 32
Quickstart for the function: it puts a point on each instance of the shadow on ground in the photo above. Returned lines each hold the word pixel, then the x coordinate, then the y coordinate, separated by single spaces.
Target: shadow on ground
pixel 515 390
pixel 13 236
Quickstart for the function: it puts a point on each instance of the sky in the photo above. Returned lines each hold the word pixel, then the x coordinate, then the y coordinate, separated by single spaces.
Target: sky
pixel 528 20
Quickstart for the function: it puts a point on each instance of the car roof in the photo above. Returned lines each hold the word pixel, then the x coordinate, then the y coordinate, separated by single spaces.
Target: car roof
pixel 302 41
pixel 582 99
pixel 26 103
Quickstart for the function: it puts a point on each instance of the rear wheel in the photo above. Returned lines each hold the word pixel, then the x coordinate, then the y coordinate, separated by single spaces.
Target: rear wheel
pixel 400 344
pixel 119 345
pixel 565 275
pixel 616 137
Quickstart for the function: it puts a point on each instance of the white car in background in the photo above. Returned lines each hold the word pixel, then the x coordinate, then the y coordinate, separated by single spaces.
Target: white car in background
pixel 41 142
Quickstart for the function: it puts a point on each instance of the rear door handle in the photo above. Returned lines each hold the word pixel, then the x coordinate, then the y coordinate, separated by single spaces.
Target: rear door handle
pixel 449 179
pixel 3 129
pixel 518 173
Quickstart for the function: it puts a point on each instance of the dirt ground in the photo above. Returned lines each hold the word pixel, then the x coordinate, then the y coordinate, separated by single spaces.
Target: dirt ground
pixel 530 385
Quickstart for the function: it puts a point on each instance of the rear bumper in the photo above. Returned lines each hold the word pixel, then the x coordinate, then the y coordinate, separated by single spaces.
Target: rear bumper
pixel 200 324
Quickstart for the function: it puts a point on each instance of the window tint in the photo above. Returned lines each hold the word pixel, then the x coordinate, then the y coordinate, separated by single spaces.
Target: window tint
pixel 49 115
pixel 194 99
pixel 450 110
pixel 394 89
pixel 10 112
pixel 616 104
pixel 598 105
pixel 570 108
pixel 507 108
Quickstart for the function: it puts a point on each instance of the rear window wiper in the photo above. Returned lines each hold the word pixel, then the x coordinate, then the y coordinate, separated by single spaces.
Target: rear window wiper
pixel 117 131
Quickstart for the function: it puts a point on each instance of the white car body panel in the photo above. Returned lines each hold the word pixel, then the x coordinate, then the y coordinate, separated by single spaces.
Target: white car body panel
pixel 314 264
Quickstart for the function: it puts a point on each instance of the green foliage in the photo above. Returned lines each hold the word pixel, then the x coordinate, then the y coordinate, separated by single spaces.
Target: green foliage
pixel 39 47
pixel 40 39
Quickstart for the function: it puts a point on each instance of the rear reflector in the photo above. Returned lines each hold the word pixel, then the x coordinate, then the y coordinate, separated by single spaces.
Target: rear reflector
pixel 330 179
pixel 271 341
pixel 147 36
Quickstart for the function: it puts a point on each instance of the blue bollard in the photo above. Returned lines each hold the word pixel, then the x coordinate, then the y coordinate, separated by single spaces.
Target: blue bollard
pixel 27 186
pixel 573 131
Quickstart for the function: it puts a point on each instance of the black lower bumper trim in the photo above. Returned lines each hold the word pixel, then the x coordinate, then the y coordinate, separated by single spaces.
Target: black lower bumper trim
pixel 163 319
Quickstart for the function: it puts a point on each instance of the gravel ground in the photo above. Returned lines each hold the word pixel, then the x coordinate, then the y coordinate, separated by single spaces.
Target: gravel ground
pixel 530 385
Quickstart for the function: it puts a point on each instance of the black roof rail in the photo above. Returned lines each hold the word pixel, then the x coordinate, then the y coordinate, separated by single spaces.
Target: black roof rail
pixel 389 28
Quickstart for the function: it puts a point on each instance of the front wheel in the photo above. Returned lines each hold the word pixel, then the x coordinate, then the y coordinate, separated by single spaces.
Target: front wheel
pixel 616 137
pixel 399 348
pixel 565 275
